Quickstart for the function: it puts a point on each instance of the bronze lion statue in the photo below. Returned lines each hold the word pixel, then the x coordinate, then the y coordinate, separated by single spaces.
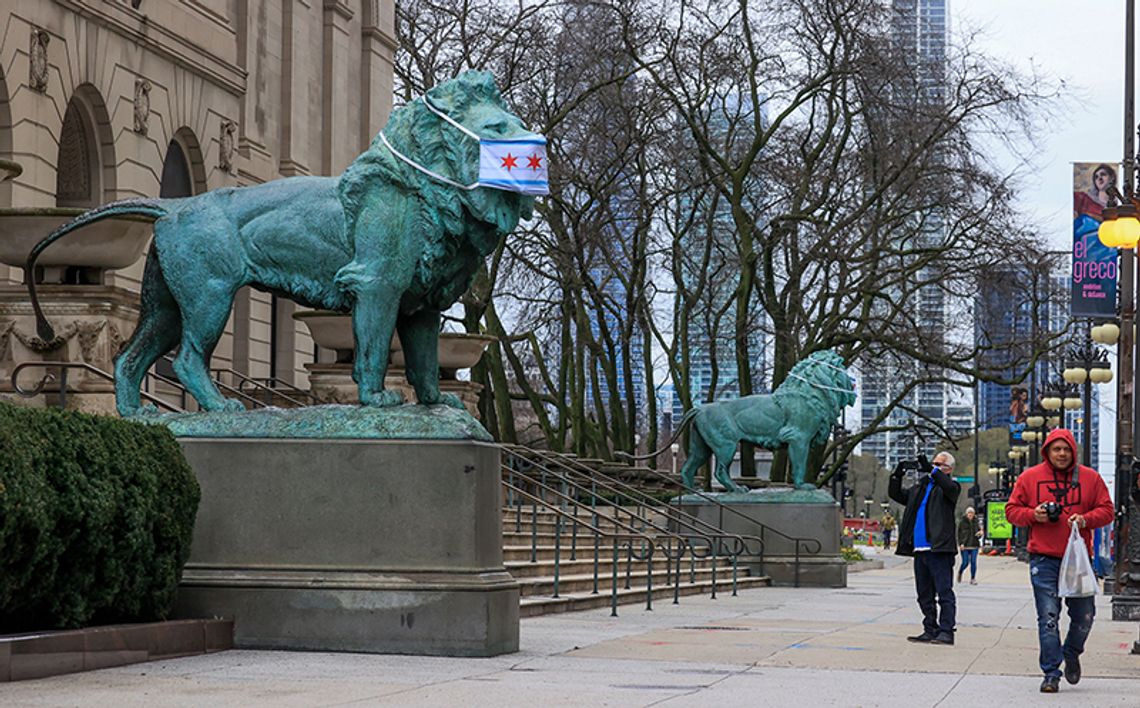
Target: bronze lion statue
pixel 384 241
pixel 797 415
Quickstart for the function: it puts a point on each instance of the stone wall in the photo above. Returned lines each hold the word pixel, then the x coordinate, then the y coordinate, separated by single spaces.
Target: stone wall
pixel 246 90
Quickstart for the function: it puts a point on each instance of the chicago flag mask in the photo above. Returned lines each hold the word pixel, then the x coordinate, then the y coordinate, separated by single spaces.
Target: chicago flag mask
pixel 511 164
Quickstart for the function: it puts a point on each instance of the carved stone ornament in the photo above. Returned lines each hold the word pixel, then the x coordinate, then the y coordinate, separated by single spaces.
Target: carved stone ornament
pixel 142 105
pixel 38 60
pixel 227 141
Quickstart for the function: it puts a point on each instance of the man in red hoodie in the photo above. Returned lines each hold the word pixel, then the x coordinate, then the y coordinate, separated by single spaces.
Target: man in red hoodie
pixel 1084 500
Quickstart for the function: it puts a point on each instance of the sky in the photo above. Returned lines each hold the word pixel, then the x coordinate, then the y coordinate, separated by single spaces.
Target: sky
pixel 1082 45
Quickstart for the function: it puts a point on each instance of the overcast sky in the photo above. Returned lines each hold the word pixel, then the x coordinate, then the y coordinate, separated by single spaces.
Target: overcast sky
pixel 1082 44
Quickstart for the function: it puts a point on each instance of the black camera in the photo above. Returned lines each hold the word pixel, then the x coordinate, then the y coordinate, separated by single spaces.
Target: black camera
pixel 1053 510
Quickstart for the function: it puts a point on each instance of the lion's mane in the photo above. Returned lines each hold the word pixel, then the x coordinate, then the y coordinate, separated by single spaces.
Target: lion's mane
pixel 823 400
pixel 450 220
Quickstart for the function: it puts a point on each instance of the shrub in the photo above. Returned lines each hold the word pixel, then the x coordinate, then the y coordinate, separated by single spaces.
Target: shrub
pixel 96 516
pixel 852 554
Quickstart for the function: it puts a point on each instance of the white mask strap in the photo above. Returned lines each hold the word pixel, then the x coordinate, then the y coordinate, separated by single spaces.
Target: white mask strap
pixel 421 168
pixel 449 119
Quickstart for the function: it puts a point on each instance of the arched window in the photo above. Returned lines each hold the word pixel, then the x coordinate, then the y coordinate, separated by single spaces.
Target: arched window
pixel 176 180
pixel 77 181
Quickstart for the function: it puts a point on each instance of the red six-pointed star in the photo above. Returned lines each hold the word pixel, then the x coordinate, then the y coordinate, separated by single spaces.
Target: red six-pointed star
pixel 534 162
pixel 510 161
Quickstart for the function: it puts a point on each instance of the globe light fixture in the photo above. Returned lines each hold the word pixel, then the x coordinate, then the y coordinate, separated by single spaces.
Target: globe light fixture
pixel 1051 402
pixel 1035 421
pixel 1127 229
pixel 1075 374
pixel 1072 403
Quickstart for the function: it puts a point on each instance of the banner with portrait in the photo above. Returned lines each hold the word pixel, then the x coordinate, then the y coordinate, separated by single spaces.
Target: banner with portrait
pixel 1094 264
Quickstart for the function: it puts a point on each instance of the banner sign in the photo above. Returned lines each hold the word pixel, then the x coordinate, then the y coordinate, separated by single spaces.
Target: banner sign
pixel 1094 264
pixel 997 526
pixel 1018 412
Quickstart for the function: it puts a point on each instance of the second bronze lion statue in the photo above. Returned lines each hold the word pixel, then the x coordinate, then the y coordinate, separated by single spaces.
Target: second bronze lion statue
pixel 797 415
pixel 383 241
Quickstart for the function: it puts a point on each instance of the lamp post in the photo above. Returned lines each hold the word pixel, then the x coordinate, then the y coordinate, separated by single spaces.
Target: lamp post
pixel 1085 366
pixel 1121 229
pixel 675 448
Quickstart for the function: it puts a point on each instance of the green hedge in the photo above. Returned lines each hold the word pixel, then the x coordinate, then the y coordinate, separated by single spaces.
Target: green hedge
pixel 96 515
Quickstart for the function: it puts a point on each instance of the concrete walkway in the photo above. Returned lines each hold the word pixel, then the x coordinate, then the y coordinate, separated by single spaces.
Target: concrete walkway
pixel 767 647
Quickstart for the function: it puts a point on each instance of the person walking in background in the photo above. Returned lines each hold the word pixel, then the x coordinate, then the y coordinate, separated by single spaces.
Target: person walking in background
pixel 1050 498
pixel 927 533
pixel 888 524
pixel 969 541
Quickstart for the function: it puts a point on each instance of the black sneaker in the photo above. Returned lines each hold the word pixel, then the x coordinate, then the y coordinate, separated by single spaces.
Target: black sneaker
pixel 1072 669
pixel 924 638
pixel 944 638
pixel 1051 684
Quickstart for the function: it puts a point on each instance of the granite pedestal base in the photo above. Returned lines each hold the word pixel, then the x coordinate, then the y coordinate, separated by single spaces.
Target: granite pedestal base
pixel 815 521
pixel 391 546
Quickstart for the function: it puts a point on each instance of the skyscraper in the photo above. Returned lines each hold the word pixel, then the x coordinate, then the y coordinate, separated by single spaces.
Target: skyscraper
pixel 919 31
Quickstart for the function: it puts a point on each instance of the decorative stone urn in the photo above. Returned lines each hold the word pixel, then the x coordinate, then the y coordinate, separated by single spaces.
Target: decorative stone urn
pixel 91 320
pixel 108 244
pixel 10 170
pixel 332 382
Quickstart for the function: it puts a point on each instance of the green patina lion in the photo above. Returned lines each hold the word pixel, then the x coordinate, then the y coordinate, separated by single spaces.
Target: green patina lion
pixel 382 241
pixel 798 415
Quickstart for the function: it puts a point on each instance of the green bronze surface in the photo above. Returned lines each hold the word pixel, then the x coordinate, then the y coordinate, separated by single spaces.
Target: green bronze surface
pixel 406 422
pixel 383 241
pixel 797 415
pixel 770 495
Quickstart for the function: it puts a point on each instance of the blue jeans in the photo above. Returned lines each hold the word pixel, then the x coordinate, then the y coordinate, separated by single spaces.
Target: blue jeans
pixel 933 578
pixel 969 557
pixel 1043 573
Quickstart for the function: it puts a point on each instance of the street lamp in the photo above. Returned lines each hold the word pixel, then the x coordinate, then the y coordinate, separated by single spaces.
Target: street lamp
pixel 1122 233
pixel 1086 365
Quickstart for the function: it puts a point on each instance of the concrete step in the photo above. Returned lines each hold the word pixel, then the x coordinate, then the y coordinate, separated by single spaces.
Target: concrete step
pixel 584 582
pixel 572 602
pixel 584 564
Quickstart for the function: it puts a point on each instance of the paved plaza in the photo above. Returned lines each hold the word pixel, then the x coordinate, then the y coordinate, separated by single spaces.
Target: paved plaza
pixel 766 647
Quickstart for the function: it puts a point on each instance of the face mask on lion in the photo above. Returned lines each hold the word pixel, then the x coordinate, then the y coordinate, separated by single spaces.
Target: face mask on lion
pixel 395 240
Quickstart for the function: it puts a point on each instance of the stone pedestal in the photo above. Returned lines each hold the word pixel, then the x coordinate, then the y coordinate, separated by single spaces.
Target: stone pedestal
pixel 91 323
pixel 390 546
pixel 810 515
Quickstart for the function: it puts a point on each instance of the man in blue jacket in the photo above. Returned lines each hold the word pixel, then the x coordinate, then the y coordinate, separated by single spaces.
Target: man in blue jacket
pixel 928 533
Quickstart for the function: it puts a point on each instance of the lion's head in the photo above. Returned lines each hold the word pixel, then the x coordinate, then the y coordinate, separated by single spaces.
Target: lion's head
pixel 473 100
pixel 820 382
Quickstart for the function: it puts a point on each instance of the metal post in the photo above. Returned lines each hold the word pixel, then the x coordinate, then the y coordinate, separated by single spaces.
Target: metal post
pixel 1126 588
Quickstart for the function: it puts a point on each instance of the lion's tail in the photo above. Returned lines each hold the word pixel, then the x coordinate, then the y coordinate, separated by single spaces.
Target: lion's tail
pixel 685 420
pixel 142 207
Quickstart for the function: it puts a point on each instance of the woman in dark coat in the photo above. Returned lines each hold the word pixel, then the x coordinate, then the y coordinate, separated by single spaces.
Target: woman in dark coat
pixel 969 541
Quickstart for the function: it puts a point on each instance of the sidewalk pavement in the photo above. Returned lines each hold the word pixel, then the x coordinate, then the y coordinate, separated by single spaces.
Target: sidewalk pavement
pixel 766 647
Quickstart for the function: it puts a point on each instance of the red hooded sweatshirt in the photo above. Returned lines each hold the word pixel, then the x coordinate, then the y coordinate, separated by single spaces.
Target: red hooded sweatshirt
pixel 1042 483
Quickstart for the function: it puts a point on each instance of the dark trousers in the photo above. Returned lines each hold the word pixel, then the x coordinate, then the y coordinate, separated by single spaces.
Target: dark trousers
pixel 887 538
pixel 934 582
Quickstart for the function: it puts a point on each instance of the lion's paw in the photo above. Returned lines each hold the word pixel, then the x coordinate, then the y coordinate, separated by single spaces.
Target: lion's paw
pixel 450 399
pixel 382 399
pixel 233 406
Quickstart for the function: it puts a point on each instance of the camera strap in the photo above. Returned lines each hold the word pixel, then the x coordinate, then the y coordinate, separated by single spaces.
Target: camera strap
pixel 1060 492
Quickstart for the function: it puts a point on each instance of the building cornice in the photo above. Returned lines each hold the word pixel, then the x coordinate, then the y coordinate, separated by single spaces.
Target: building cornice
pixel 167 43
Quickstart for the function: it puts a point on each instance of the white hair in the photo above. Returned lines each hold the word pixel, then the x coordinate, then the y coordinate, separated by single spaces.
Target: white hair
pixel 970 510
pixel 946 456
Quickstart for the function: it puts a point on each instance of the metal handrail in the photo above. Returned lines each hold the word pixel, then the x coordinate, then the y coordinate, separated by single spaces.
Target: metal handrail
pixel 620 540
pixel 809 546
pixel 272 387
pixel 63 366
pixel 681 518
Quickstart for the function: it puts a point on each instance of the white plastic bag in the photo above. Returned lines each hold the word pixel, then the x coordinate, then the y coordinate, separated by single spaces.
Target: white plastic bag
pixel 1076 578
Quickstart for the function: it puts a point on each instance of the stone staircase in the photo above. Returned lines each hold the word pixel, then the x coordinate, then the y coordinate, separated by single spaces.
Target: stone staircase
pixel 531 543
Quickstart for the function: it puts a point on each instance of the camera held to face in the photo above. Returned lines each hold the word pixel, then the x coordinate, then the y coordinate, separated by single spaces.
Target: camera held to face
pixel 1053 511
